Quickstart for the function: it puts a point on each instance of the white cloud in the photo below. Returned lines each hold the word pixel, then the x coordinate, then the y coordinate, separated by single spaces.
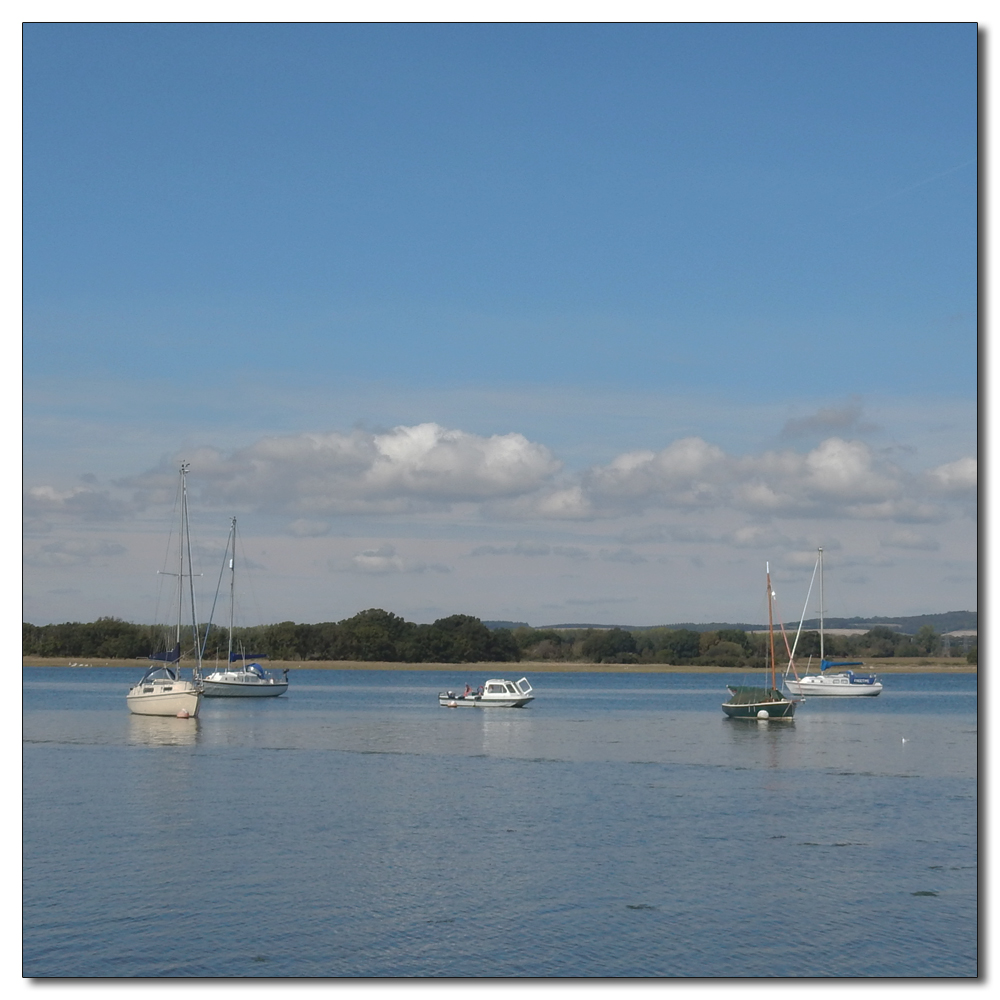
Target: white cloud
pixel 907 539
pixel 73 552
pixel 830 419
pixel 531 549
pixel 622 554
pixel 304 528
pixel 956 477
pixel 837 478
pixel 385 559
pixel 424 467
pixel 78 503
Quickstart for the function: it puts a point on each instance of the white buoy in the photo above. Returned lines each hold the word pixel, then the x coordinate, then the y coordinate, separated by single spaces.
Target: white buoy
pixel 904 739
pixel 762 714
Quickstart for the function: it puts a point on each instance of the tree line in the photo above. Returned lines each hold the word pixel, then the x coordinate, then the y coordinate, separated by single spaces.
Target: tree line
pixel 377 635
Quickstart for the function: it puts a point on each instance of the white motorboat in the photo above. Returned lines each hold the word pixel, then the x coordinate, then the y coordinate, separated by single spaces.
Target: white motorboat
pixel 247 680
pixel 162 690
pixel 495 693
pixel 836 683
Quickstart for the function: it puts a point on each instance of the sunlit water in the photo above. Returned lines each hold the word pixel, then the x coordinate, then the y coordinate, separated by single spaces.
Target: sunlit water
pixel 620 825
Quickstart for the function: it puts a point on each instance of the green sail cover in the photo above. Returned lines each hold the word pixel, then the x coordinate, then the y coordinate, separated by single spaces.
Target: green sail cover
pixel 752 695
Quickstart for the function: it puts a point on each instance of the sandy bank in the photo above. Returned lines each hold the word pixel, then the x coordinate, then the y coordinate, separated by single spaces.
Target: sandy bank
pixel 894 666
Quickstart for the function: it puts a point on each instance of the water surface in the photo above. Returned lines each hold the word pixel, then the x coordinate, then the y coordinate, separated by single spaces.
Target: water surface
pixel 620 825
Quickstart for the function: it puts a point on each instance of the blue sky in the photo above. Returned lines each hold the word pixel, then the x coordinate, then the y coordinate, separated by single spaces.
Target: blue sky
pixel 438 311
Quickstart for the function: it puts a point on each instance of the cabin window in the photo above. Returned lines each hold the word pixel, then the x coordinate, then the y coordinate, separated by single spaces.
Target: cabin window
pixel 496 689
pixel 511 689
pixel 168 689
pixel 147 690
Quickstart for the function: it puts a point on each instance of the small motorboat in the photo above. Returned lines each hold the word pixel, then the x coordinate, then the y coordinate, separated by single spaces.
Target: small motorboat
pixel 495 693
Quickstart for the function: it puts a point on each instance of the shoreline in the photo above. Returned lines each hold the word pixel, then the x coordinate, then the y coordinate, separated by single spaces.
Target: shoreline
pixel 939 665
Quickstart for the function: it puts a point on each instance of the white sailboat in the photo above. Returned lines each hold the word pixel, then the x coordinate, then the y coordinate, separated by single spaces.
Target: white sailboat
pixel 162 690
pixel 240 679
pixel 837 684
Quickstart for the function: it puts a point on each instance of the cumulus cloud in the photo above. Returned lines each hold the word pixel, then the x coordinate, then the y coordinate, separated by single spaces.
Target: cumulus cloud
pixel 836 478
pixel 304 528
pixel 622 554
pixel 957 478
pixel 385 559
pixel 83 503
pixel 519 549
pixel 829 420
pixel 531 549
pixel 907 539
pixel 311 477
pixel 73 552
pixel 423 467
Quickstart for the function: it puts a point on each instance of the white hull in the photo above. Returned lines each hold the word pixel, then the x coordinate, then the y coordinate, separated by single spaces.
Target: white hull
pixel 475 701
pixel 164 698
pixel 238 687
pixel 495 693
pixel 837 686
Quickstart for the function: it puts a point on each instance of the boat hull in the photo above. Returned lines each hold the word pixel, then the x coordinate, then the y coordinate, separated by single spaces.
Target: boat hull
pixel 476 701
pixel 774 709
pixel 831 687
pixel 221 688
pixel 164 699
pixel 758 703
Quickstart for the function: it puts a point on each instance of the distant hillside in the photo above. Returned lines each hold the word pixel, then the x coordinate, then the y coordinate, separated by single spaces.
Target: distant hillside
pixel 946 621
pixel 512 625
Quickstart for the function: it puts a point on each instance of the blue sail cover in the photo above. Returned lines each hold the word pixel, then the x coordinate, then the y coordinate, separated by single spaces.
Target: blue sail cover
pixel 825 664
pixel 168 656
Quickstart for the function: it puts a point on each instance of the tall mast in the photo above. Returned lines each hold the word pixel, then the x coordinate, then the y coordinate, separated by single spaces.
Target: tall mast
pixel 822 655
pixel 186 544
pixel 770 620
pixel 232 586
pixel 180 555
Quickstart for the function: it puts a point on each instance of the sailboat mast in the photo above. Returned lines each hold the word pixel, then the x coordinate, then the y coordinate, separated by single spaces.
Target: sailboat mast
pixel 180 556
pixel 186 543
pixel 822 655
pixel 232 586
pixel 770 621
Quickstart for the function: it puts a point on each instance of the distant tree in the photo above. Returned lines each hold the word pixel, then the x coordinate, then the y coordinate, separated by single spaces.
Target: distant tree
pixel 880 641
pixel 808 645
pixel 973 655
pixel 682 645
pixel 734 635
pixel 724 654
pixel 927 641
pixel 372 635
pixel 607 645
pixel 459 639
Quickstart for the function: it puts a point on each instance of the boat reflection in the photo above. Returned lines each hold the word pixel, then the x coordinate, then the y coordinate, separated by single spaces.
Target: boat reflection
pixel 162 731
pixel 505 734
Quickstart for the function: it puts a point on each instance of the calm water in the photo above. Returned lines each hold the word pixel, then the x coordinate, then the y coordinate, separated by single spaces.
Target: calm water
pixel 619 826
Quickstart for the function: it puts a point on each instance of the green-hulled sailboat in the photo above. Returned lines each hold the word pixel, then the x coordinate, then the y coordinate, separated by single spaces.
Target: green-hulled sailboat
pixel 761 702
